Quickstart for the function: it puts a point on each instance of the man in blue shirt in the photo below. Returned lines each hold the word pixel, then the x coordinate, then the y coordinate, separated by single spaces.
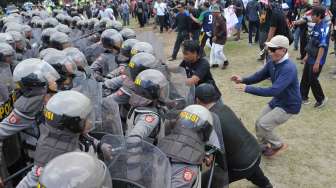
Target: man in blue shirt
pixel 285 91
pixel 315 58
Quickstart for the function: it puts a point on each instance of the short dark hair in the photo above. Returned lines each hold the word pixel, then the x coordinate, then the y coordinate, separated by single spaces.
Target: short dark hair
pixel 206 4
pixel 319 11
pixel 191 46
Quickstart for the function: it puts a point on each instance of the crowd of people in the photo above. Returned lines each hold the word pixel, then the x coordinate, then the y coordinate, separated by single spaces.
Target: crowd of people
pixel 86 102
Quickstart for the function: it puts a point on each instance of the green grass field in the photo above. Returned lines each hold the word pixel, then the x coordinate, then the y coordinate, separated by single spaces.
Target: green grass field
pixel 310 160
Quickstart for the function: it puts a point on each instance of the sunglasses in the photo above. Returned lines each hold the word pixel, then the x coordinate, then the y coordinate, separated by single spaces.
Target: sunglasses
pixel 273 49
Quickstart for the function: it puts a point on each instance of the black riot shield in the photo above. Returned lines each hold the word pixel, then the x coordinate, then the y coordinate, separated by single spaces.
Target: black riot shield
pixel 137 163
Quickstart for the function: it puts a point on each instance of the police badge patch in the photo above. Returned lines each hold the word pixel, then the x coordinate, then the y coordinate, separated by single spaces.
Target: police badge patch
pixel 188 175
pixel 13 118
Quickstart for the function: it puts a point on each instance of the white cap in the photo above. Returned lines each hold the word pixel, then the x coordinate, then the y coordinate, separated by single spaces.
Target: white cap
pixel 284 6
pixel 278 41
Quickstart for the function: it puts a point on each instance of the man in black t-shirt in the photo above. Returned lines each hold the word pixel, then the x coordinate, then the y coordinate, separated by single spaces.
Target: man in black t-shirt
pixel 197 68
pixel 278 24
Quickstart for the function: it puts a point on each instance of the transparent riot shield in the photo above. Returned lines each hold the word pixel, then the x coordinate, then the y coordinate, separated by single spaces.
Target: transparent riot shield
pixel 7 94
pixel 6 82
pixel 137 163
pixel 179 90
pixel 151 38
pixel 93 90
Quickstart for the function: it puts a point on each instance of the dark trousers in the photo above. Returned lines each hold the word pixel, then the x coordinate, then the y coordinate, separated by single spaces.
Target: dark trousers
pixel 253 174
pixel 181 36
pixel 162 23
pixel 262 40
pixel 303 42
pixel 253 26
pixel 310 80
pixel 141 19
pixel 195 34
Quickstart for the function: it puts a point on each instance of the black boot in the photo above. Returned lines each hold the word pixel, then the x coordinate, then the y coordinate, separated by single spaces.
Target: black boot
pixel 226 63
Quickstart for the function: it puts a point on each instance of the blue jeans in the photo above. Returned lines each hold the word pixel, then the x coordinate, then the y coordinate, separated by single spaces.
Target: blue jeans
pixel 296 37
pixel 125 17
pixel 238 25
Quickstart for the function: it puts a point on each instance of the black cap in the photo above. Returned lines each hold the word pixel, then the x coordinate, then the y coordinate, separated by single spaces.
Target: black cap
pixel 206 93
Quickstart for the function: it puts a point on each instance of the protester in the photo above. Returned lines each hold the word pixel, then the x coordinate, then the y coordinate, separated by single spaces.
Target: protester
pixel 105 12
pixel 252 9
pixel 317 50
pixel 239 10
pixel 125 11
pixel 160 9
pixel 197 67
pixel 217 57
pixel 205 20
pixel 182 25
pixel 241 148
pixel 285 92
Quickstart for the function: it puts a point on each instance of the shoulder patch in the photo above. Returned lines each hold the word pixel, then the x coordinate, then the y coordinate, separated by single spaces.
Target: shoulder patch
pixel 13 118
pixel 38 171
pixel 188 175
pixel 119 93
pixel 149 118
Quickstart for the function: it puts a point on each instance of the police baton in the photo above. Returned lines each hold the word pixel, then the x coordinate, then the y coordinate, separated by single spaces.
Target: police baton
pixel 86 35
pixel 208 153
pixel 6 180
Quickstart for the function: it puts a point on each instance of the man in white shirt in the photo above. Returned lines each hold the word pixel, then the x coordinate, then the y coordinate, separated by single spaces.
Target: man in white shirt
pixel 106 13
pixel 160 8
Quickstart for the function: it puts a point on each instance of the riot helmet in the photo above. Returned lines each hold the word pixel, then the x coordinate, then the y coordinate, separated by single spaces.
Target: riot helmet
pixel 65 67
pixel 141 62
pixel 197 118
pixel 128 33
pixel 6 53
pixel 114 25
pixel 75 20
pixel 63 28
pixel 142 47
pixel 45 36
pixel 68 110
pixel 7 38
pixel 152 84
pixel 34 73
pixel 49 51
pixel 20 40
pixel 82 171
pixel 78 57
pixel 59 40
pixel 50 23
pixel 125 51
pixel 111 39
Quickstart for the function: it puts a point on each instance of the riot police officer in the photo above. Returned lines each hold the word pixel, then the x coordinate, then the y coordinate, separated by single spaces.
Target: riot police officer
pixel 142 47
pixel 91 172
pixel 186 142
pixel 65 67
pixel 128 33
pixel 59 41
pixel 151 90
pixel 106 62
pixel 6 82
pixel 34 78
pixel 66 118
pixel 45 38
pixel 20 45
pixel 125 52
